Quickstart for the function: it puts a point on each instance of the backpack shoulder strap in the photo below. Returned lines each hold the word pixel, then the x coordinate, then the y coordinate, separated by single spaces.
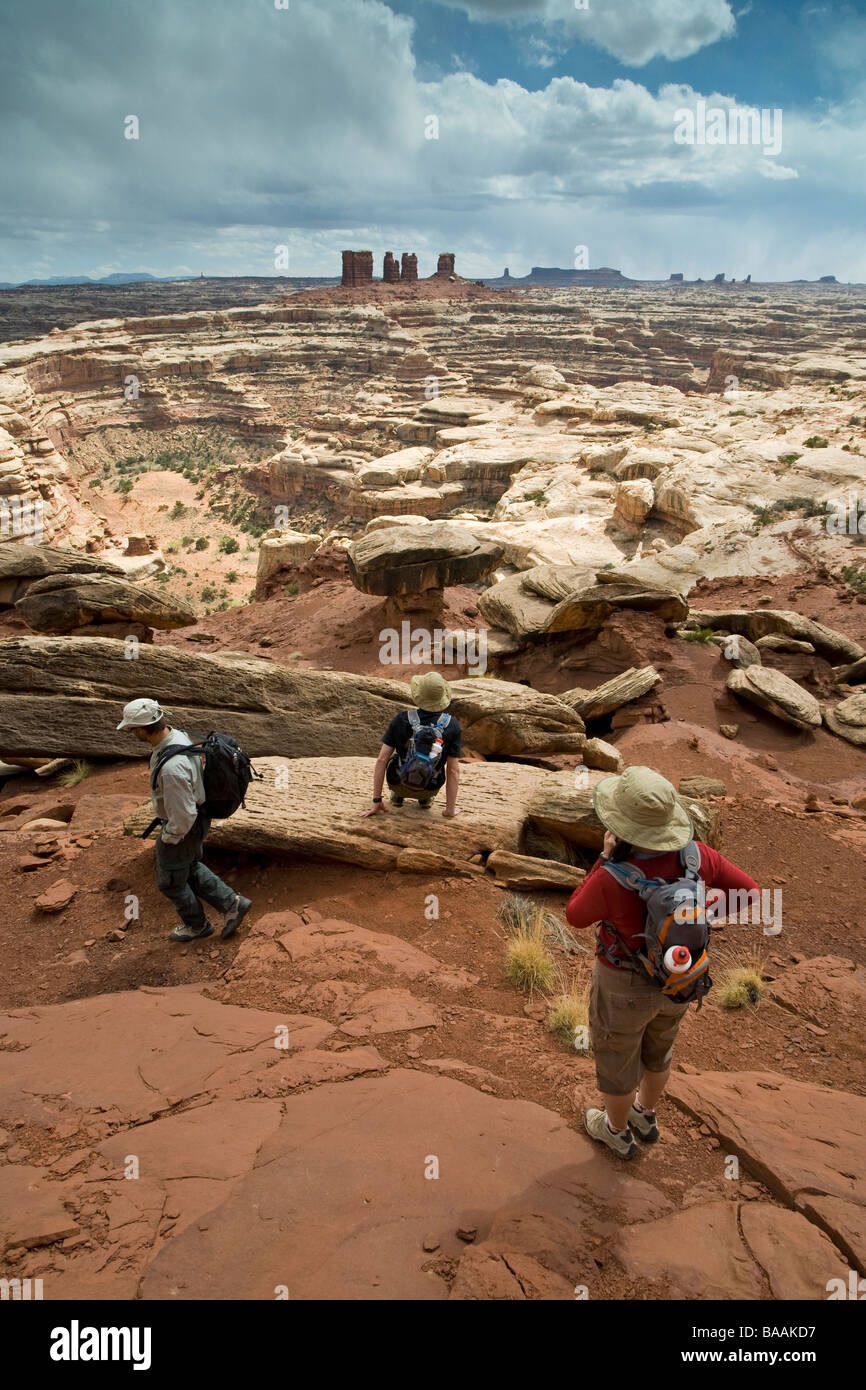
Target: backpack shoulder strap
pixel 628 876
pixel 690 858
pixel 170 753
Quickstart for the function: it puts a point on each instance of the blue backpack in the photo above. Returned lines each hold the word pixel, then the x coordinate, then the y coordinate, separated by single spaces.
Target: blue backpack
pixel 421 765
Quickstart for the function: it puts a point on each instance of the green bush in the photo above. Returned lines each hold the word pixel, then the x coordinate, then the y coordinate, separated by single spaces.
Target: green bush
pixel 228 545
pixel 232 577
pixel 208 592
pixel 202 543
pixel 789 458
pixel 178 510
pixel 816 441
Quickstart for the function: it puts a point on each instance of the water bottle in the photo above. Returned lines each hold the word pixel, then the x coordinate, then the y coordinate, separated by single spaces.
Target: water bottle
pixel 677 959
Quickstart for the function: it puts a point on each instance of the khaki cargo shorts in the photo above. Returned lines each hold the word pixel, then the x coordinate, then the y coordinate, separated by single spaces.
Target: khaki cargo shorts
pixel 632 1026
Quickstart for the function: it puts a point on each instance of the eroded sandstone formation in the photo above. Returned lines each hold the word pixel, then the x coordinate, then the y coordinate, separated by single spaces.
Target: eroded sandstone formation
pixel 357 267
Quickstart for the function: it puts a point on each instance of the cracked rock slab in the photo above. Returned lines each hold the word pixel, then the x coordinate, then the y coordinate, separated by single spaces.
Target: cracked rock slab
pixel 804 1142
pixel 137 1052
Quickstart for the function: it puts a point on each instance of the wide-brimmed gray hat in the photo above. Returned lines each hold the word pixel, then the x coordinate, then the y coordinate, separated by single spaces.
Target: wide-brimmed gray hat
pixel 641 807
pixel 138 714
pixel 430 691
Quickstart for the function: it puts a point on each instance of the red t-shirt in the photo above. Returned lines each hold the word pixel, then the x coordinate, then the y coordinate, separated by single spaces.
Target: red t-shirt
pixel 601 898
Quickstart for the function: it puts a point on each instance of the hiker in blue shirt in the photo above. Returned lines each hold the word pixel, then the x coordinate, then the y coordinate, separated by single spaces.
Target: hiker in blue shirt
pixel 420 750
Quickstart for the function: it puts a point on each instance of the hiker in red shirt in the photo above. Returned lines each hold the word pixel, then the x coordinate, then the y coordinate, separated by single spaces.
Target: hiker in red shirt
pixel 632 1023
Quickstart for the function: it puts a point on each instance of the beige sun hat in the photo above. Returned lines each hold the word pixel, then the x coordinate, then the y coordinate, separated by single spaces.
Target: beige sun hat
pixel 641 807
pixel 430 691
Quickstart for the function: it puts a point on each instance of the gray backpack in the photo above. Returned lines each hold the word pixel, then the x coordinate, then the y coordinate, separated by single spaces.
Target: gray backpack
pixel 676 915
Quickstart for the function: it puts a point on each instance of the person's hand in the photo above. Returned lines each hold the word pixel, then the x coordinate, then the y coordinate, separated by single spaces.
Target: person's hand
pixel 379 806
pixel 609 845
pixel 456 812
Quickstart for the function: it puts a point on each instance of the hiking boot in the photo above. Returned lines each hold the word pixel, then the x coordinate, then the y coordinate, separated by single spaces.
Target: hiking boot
pixel 644 1124
pixel 425 805
pixel 396 800
pixel 235 916
pixel 184 933
pixel 623 1145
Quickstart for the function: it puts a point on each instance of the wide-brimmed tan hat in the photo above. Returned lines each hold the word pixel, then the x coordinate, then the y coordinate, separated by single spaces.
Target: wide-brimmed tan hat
pixel 641 807
pixel 430 691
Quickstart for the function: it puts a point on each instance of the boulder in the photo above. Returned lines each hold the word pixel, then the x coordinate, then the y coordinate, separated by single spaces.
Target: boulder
pixel 64 696
pixel 62 603
pixel 510 605
pixel 739 651
pixel 588 608
pixel 548 598
pixel 21 564
pixel 701 786
pixel 629 685
pixel 601 755
pixel 777 694
pixel 410 560
pixel 764 622
pixel 848 719
pixel 634 500
pixel 508 719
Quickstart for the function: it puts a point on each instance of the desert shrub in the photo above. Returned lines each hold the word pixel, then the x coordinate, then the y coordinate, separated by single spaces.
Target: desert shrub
pixel 742 981
pixel 202 543
pixel 538 496
pixel 178 510
pixel 291 590
pixel 124 486
pixel 698 634
pixel 232 577
pixel 789 458
pixel 815 441
pixel 227 545
pixel 528 963
pixel 208 592
pixel 855 578
pixel 73 775
pixel 569 1011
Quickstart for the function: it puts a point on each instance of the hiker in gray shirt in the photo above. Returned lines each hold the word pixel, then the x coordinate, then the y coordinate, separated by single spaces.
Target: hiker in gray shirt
pixel 177 797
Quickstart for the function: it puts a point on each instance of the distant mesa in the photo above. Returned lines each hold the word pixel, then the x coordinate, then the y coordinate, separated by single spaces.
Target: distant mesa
pixel 828 280
pixel 678 276
pixel 358 267
pixel 558 278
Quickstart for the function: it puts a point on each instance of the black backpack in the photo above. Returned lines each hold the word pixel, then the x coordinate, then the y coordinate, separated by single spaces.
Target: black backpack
pixel 227 773
pixel 421 766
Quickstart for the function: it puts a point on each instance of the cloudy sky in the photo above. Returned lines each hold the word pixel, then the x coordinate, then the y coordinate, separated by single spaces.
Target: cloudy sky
pixel 508 131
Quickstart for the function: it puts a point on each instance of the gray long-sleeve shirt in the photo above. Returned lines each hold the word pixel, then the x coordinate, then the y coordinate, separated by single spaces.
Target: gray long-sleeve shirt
pixel 179 791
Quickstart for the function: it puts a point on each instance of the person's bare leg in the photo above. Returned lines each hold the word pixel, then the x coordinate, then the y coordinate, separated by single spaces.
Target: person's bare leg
pixel 617 1108
pixel 652 1085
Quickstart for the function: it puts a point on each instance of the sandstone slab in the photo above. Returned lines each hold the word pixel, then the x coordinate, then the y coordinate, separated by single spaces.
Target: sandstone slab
pixel 781 1128
pixel 137 1052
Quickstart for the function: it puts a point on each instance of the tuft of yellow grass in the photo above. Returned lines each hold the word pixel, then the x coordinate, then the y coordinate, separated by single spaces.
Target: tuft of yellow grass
pixel 568 1018
pixel 528 963
pixel 742 982
pixel 76 774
